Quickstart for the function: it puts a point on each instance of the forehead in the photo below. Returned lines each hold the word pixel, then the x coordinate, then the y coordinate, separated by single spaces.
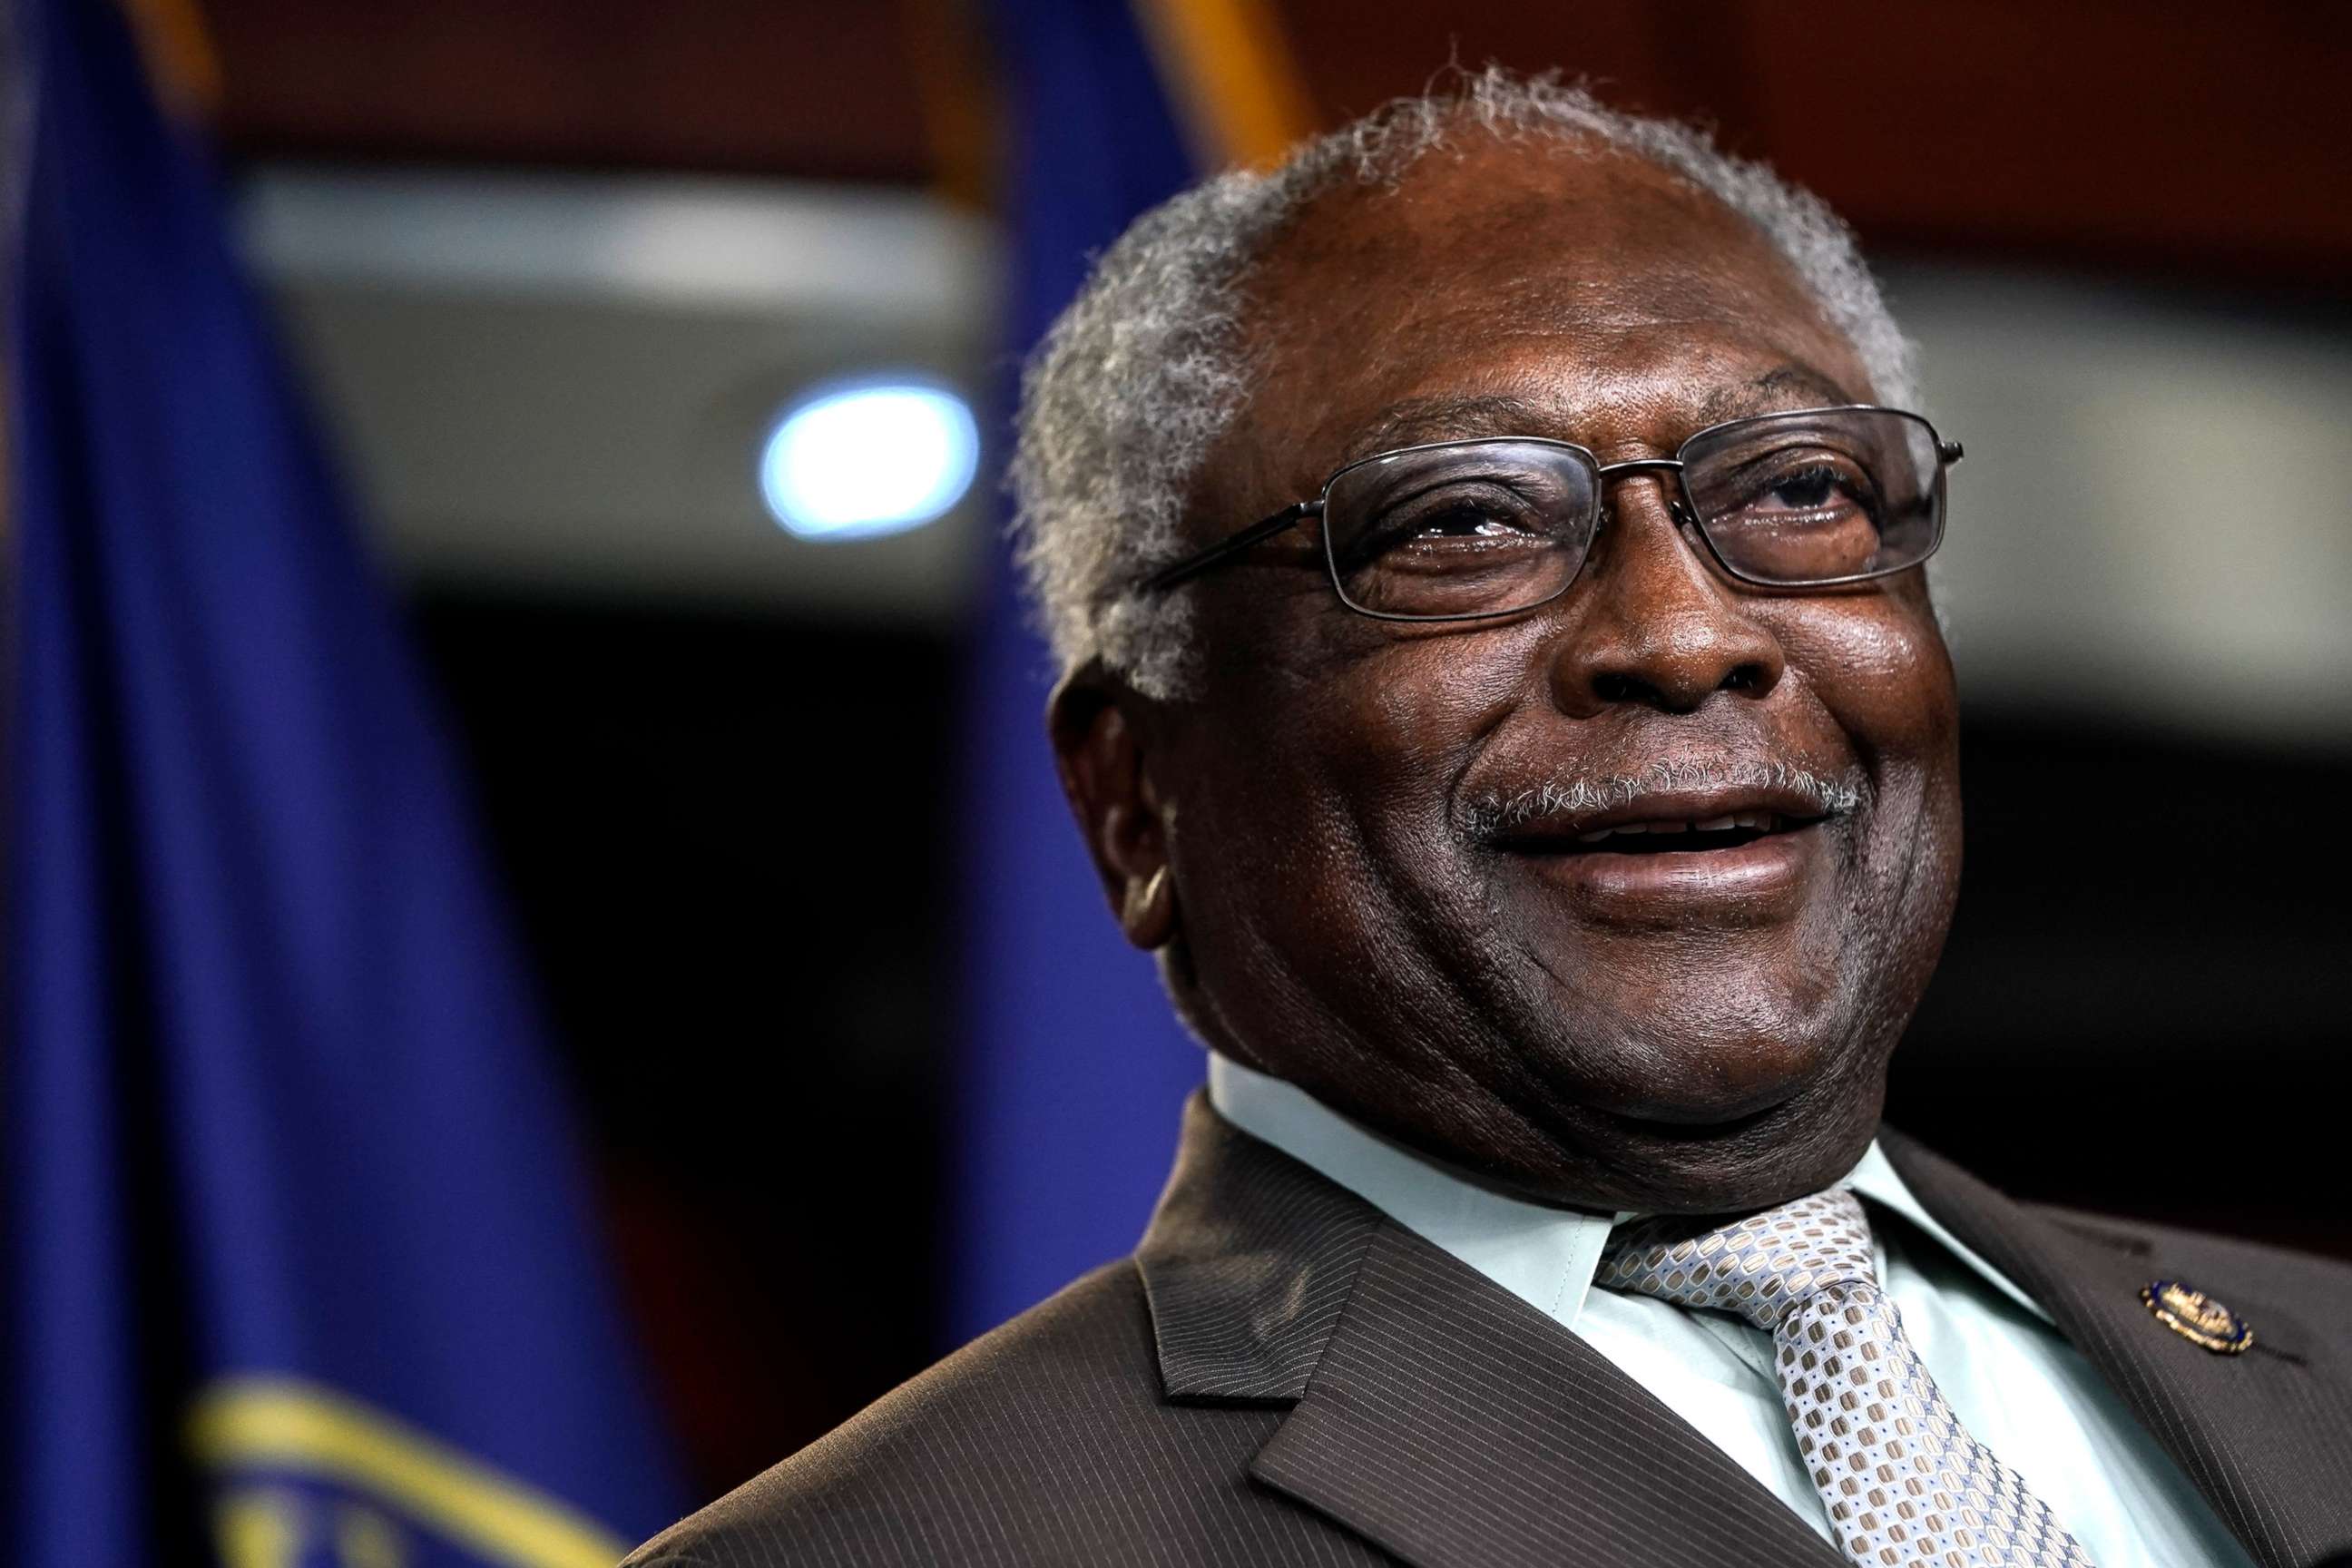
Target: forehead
pixel 1590 294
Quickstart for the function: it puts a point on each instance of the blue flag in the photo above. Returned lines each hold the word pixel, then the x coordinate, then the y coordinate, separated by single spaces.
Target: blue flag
pixel 1074 1067
pixel 299 1263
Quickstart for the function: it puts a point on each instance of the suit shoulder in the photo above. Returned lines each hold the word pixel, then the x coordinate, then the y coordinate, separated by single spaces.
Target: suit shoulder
pixel 1045 1440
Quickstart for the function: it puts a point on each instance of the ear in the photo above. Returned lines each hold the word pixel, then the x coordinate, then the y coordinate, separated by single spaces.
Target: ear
pixel 1100 729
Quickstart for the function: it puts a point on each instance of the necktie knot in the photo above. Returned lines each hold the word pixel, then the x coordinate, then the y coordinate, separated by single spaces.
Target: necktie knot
pixel 1761 1267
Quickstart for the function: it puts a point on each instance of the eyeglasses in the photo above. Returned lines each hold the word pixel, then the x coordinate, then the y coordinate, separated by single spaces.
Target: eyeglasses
pixel 1459 530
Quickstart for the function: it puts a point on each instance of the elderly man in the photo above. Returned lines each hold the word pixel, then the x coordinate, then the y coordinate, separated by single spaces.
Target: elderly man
pixel 1548 817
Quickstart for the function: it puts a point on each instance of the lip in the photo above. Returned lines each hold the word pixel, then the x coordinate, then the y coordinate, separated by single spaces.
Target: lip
pixel 1761 879
pixel 1567 826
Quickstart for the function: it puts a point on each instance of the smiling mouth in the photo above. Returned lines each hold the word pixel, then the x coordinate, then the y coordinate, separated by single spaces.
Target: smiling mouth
pixel 1677 836
pixel 1670 864
pixel 1672 857
pixel 1703 846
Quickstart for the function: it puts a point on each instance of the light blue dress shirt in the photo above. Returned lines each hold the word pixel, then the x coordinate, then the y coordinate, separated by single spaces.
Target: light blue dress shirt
pixel 2010 1377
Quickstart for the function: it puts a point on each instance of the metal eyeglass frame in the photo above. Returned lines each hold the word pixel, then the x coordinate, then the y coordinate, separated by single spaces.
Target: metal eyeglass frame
pixel 1681 508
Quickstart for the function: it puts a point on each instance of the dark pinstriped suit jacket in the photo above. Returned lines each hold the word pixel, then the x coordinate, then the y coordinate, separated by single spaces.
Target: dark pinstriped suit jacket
pixel 1283 1375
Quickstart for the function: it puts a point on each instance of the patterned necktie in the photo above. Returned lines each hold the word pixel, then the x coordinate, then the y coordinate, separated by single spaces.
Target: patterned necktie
pixel 1904 1482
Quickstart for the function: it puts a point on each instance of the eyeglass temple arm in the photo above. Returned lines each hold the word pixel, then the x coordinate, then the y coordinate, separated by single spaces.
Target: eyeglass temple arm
pixel 1191 566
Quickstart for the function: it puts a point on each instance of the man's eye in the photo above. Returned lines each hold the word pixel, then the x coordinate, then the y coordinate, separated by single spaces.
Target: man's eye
pixel 1807 488
pixel 1463 520
pixel 1813 487
pixel 1428 530
pixel 1477 510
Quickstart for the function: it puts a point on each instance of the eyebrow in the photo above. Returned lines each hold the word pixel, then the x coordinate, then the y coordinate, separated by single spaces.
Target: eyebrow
pixel 1415 420
pixel 1791 385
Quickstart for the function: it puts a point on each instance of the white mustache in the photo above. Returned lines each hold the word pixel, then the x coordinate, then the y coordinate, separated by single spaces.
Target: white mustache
pixel 1571 794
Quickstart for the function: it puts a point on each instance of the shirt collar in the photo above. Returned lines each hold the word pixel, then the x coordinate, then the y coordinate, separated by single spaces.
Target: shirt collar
pixel 1546 1256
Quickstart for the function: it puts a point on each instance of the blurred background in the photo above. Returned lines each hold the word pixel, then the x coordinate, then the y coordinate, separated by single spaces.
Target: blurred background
pixel 665 353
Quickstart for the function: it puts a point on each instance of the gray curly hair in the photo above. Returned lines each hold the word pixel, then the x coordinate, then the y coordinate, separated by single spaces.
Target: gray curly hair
pixel 1139 375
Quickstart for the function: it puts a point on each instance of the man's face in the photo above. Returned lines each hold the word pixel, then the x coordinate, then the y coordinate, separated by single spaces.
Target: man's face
pixel 1372 829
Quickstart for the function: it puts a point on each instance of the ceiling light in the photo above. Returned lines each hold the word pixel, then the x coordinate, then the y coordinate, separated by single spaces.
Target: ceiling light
pixel 873 458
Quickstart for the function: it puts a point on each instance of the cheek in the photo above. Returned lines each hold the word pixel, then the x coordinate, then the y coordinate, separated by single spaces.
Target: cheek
pixel 1880 669
pixel 1398 731
pixel 1882 673
pixel 1335 772
pixel 1384 712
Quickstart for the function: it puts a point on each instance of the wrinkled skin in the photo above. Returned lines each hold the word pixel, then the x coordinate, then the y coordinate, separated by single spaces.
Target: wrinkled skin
pixel 1292 835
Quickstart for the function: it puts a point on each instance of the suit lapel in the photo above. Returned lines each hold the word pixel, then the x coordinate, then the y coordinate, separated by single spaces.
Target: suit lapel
pixel 2266 1437
pixel 1454 1425
pixel 1249 1261
pixel 1435 1414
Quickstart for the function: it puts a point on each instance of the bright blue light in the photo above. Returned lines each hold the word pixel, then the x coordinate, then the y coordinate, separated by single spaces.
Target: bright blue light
pixel 869 459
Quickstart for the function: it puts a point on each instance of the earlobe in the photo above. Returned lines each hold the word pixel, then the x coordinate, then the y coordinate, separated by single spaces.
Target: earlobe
pixel 1149 913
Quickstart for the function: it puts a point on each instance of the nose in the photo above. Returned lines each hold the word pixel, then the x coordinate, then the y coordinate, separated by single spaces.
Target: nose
pixel 1652 623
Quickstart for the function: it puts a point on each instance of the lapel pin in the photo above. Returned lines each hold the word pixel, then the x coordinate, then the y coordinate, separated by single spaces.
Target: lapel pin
pixel 2196 1317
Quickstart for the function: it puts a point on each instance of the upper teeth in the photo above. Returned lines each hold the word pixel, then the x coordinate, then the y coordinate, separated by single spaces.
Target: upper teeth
pixel 1763 821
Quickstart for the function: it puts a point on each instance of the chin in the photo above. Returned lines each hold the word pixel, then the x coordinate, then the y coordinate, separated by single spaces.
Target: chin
pixel 1802 1143
pixel 1702 1067
pixel 1719 1120
pixel 1721 1095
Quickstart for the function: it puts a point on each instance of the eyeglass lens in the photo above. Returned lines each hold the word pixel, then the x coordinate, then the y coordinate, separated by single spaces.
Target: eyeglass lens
pixel 1802 498
pixel 1476 528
